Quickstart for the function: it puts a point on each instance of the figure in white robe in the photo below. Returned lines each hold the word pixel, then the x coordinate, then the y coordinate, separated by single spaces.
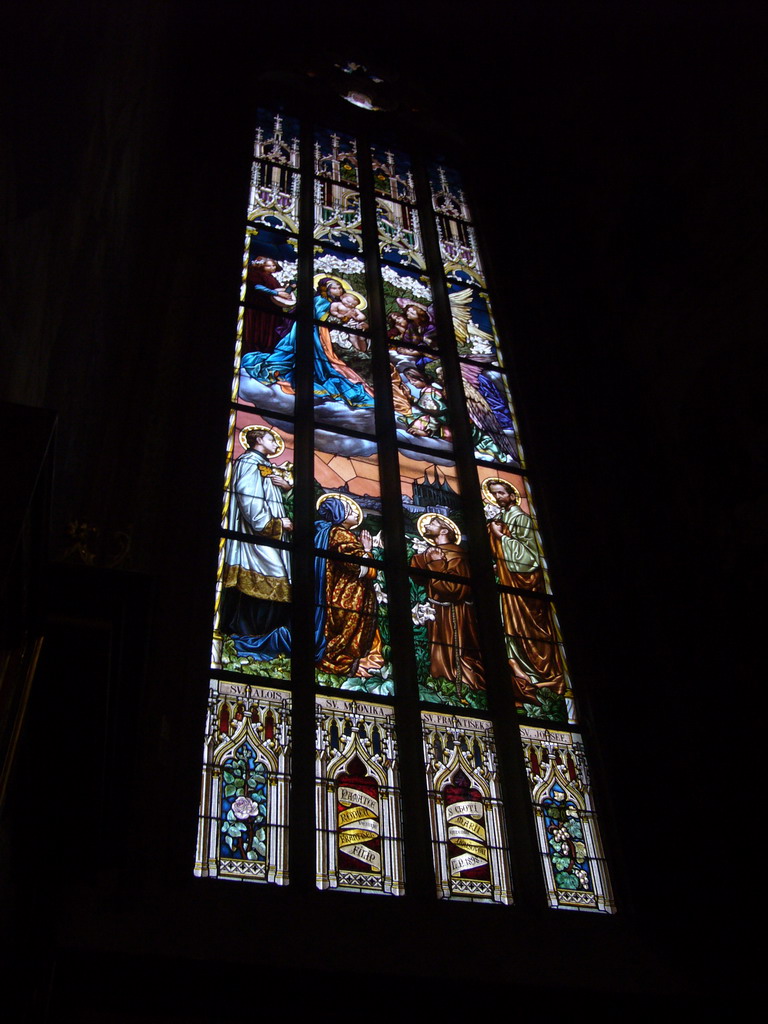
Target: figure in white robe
pixel 257 576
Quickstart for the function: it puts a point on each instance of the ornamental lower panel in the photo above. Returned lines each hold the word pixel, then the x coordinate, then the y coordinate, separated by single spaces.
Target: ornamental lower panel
pixel 469 844
pixel 243 826
pixel 357 798
pixel 569 840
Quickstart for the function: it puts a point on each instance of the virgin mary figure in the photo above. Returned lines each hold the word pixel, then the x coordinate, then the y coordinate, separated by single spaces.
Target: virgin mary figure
pixel 347 638
pixel 334 380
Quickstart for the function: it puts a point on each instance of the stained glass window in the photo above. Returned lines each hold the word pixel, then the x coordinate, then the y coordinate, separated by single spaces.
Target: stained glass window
pixel 359 844
pixel 243 833
pixel 571 851
pixel 466 813
pixel 380 548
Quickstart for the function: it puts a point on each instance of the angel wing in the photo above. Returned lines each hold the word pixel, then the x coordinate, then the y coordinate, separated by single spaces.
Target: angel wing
pixel 461 303
pixel 484 418
pixel 461 314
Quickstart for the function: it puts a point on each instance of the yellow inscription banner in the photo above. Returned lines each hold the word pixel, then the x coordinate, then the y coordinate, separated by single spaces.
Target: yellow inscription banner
pixel 349 796
pixel 465 862
pixel 366 855
pixel 469 826
pixel 351 814
pixel 471 847
pixel 472 808
pixel 352 836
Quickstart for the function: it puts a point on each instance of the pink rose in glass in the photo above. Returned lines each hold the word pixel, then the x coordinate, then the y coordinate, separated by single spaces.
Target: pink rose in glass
pixel 243 808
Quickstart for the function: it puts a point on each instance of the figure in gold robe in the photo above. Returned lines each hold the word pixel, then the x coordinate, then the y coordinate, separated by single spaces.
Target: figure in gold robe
pixel 347 638
pixel 531 640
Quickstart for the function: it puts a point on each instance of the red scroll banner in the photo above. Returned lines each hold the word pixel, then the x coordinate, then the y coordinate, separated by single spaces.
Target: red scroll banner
pixel 358 825
pixel 465 830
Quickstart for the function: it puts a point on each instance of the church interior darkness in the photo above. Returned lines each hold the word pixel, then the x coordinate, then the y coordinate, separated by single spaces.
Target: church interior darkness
pixel 616 160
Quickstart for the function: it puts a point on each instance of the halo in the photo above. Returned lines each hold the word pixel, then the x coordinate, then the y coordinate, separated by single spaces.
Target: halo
pixel 348 289
pixel 267 430
pixel 350 502
pixel 485 488
pixel 443 519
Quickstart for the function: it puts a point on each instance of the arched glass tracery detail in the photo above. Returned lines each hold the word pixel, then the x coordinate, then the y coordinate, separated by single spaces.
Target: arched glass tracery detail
pixel 246 775
pixel 366 333
pixel 358 798
pixel 466 813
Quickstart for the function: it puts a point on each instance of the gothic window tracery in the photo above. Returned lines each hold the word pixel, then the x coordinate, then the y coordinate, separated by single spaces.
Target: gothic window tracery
pixel 366 335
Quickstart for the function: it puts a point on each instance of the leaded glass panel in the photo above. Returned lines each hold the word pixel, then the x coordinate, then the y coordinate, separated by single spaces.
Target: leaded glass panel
pixel 259 502
pixel 393 174
pixel 337 215
pixel 449 662
pixel 428 486
pixel 252 634
pixel 359 830
pixel 466 815
pixel 348 468
pixel 274 195
pixel 336 156
pixel 399 235
pixel 408 307
pixel 512 530
pixel 267 335
pixel 458 245
pixel 242 833
pixel 569 840
pixel 382 310
pixel 492 422
pixel 351 626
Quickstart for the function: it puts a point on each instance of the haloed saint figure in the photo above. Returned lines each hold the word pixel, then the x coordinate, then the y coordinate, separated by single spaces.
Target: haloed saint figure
pixel 347 637
pixel 450 619
pixel 531 639
pixel 257 575
pixel 335 381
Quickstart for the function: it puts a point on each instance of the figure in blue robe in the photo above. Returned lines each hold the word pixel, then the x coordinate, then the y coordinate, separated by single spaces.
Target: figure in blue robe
pixel 332 512
pixel 334 380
